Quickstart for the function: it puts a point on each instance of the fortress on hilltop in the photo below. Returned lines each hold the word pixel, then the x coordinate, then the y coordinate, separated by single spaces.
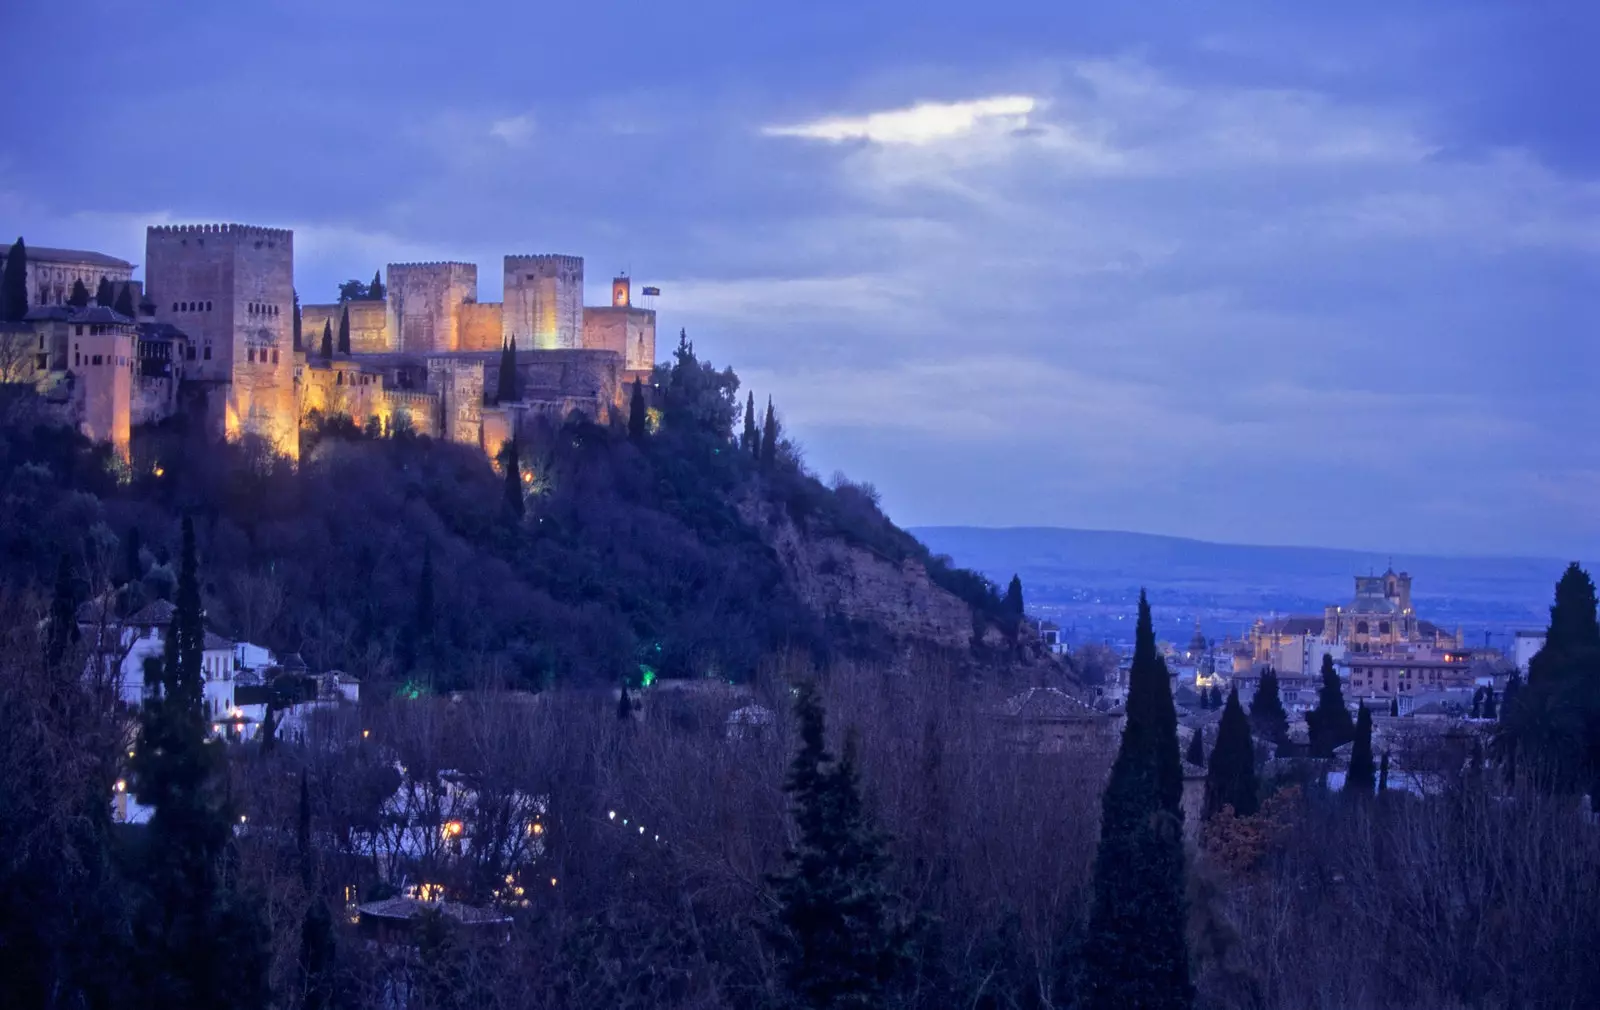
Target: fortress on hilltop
pixel 213 327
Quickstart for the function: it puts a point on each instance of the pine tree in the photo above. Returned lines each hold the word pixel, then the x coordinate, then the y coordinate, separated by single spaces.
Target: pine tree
pixel 1136 954
pixel 835 936
pixel 327 340
pixel 376 291
pixel 1330 723
pixel 638 416
pixel 124 304
pixel 1266 709
pixel 79 299
pixel 299 343
pixel 14 284
pixel 752 435
pixel 63 631
pixel 104 294
pixel 1197 748
pixel 198 943
pixel 515 507
pixel 1231 777
pixel 769 439
pixel 1360 778
pixel 344 328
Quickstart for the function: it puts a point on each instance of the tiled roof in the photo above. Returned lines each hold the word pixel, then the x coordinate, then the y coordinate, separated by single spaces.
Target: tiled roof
pixel 157 613
pixel 410 908
pixel 98 314
pixel 46 254
pixel 215 641
pixel 1043 703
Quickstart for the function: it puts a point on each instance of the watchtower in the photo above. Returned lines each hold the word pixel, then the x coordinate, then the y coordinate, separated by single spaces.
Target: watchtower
pixel 544 300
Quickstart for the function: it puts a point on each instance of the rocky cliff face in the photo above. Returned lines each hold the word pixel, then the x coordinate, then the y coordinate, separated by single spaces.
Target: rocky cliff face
pixel 845 582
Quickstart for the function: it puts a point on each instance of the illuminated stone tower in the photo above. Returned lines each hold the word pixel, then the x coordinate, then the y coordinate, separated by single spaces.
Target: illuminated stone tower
pixel 424 305
pixel 230 287
pixel 543 300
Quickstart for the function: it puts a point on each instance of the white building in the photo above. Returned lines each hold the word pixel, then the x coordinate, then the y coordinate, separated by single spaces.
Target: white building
pixel 1524 647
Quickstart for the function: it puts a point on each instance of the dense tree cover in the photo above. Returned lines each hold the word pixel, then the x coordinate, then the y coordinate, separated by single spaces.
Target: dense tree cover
pixel 1329 723
pixel 1136 953
pixel 14 283
pixel 632 556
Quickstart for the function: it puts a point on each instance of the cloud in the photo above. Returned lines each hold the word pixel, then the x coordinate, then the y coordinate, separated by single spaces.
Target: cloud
pixel 515 131
pixel 923 123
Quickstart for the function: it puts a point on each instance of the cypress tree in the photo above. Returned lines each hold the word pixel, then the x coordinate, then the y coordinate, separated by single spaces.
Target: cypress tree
pixel 132 563
pixel 327 341
pixel 344 328
pixel 197 942
pixel 104 295
pixel 834 935
pixel 1197 748
pixel 318 945
pixel 506 388
pixel 299 343
pixel 1491 708
pixel 1361 777
pixel 1394 707
pixel 1553 728
pixel 752 435
pixel 63 630
pixel 1330 723
pixel 1513 686
pixel 1013 598
pixel 638 416
pixel 624 705
pixel 769 439
pixel 1136 954
pixel 515 507
pixel 376 290
pixel 1266 709
pixel 14 284
pixel 124 305
pixel 1231 777
pixel 79 299
pixel 1383 773
pixel 1476 712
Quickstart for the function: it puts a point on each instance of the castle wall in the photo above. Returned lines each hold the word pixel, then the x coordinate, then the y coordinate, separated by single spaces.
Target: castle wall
pixel 627 331
pixel 397 407
pixel 459 386
pixel 482 326
pixel 369 326
pixel 231 288
pixel 544 301
pixel 424 305
pixel 338 387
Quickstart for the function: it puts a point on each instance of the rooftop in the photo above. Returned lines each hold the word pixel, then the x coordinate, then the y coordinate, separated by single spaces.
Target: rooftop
pixel 406 909
pixel 46 254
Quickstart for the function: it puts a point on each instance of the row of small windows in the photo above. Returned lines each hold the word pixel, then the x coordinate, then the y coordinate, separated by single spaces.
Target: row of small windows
pixel 252 353
pixel 191 306
pixel 260 309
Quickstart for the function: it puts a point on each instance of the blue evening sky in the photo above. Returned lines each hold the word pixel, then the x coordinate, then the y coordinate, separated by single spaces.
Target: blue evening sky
pixel 1240 271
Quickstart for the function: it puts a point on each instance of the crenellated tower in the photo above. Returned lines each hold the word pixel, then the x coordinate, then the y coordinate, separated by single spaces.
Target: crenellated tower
pixel 544 301
pixel 230 287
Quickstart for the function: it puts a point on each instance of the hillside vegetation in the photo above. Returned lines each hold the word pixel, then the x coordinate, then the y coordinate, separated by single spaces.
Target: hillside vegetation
pixel 406 558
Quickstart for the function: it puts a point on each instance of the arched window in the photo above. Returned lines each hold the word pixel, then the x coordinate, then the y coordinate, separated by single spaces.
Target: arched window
pixel 1361 627
pixel 274 355
pixel 252 353
pixel 1383 627
pixel 208 306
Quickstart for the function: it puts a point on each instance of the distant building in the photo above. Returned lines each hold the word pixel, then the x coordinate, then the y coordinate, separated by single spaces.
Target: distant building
pixel 1524 647
pixel 52 273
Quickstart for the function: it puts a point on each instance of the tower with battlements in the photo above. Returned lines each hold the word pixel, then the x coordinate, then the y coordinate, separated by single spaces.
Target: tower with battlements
pixel 230 287
pixel 543 302
pixel 425 300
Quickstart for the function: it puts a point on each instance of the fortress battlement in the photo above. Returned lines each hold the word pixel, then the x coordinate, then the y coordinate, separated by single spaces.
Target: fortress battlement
pixel 434 264
pixel 241 230
pixel 554 259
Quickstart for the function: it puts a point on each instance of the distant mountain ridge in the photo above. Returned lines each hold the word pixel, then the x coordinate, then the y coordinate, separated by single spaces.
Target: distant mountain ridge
pixel 1085 575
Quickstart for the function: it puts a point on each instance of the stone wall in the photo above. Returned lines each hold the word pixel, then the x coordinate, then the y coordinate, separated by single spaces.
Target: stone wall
pixel 420 408
pixel 626 331
pixel 544 301
pixel 338 387
pixel 458 384
pixel 106 361
pixel 424 305
pixel 482 326
pixel 369 326
pixel 231 289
